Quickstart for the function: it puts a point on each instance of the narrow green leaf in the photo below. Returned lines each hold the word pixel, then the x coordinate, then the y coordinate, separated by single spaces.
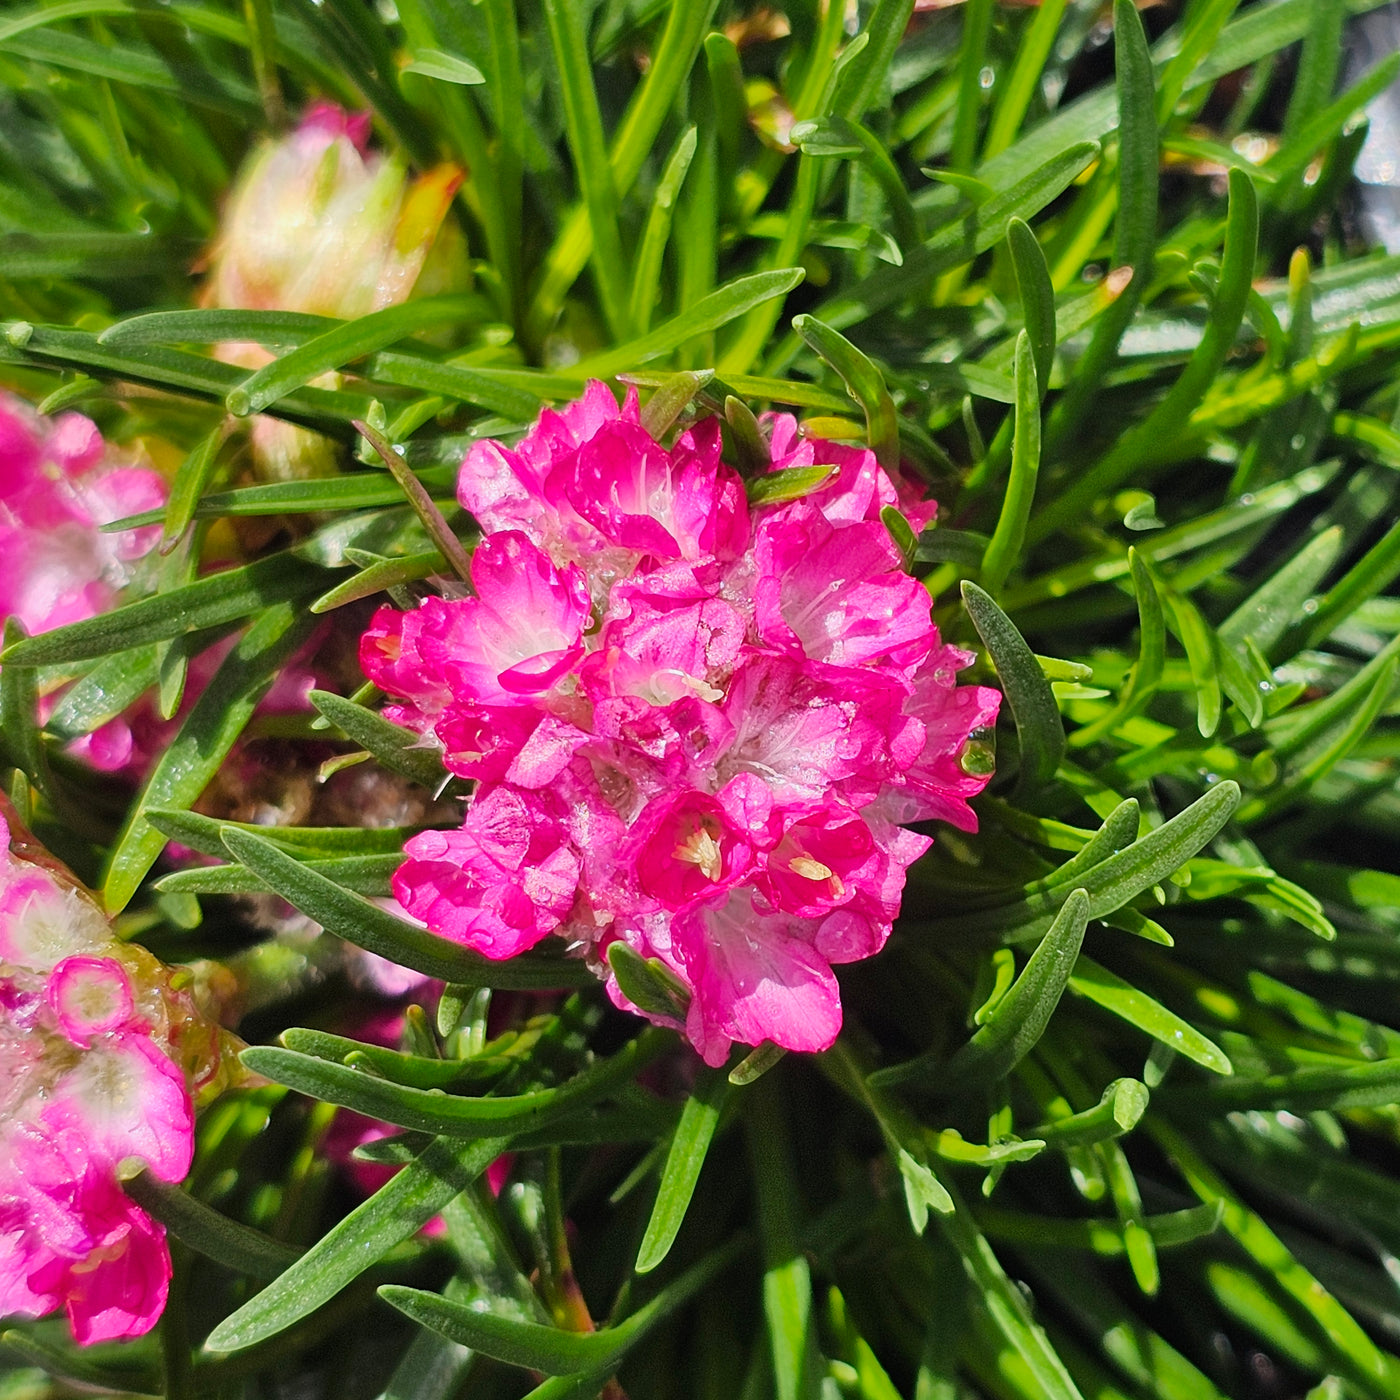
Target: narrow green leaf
pixel 647 982
pixel 447 67
pixel 1118 832
pixel 671 60
pixel 1134 1006
pixel 112 685
pixel 972 59
pixel 583 128
pixel 1293 156
pixel 359 921
pixel 21 745
pixel 710 312
pixel 192 477
pixel 756 1064
pixel 1135 233
pixel 943 546
pixel 209 731
pixel 886 26
pixel 205 834
pixel 443 1170
pixel 551 1350
pixel 1120 878
pixel 211 325
pixel 787 484
pixel 80 1370
pixel 1037 298
pixel 1197 640
pixel 1017 1021
pixel 1117 1112
pixel 671 399
pixel 516 394
pixel 1374 571
pixel 398 749
pixel 1167 420
pixel 835 135
pixel 1032 702
pixel 430 1110
pixel 1146 674
pixel 211 601
pixel 749 443
pixel 863 381
pixel 684 1159
pixel 324 409
pixel 1016 91
pixel 646 278
pixel 386 573
pixel 1004 550
pixel 368 875
pixel 351 341
pixel 1006 1305
pixel 902 533
pixel 203 1229
pixel 1277 603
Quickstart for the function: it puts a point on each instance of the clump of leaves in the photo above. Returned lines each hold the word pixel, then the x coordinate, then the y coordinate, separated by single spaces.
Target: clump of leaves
pixel 1116 1112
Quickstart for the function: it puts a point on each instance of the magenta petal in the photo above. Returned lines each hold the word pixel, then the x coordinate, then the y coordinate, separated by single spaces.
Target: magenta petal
pixel 756 978
pixel 128 1100
pixel 122 1294
pixel 504 881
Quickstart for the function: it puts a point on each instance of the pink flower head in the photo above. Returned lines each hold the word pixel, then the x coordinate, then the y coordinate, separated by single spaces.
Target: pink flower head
pixel 717 769
pixel 102 1054
pixel 58 485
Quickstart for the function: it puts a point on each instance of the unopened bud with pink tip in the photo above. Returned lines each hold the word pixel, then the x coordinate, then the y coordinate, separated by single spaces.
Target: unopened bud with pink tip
pixel 319 223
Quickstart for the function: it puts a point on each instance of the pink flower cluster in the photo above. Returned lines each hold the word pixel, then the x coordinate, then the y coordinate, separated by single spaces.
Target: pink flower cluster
pixel 59 483
pixel 100 1053
pixel 695 726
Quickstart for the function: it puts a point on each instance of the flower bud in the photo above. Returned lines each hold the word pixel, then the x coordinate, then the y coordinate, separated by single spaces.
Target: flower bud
pixel 320 224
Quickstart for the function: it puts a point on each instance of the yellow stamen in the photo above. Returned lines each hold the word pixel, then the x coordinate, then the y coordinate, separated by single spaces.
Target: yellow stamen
pixel 702 850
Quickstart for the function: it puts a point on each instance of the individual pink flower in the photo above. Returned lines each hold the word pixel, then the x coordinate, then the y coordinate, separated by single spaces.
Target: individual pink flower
pixel 103 1058
pixel 522 631
pixel 501 883
pixel 837 595
pixel 756 975
pixel 688 849
pixel 694 726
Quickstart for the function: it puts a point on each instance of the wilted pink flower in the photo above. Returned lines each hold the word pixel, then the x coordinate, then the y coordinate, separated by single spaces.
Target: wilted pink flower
pixel 102 1058
pixel 695 727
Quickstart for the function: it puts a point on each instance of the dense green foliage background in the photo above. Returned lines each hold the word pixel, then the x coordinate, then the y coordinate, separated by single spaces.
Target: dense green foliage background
pixel 1104 294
